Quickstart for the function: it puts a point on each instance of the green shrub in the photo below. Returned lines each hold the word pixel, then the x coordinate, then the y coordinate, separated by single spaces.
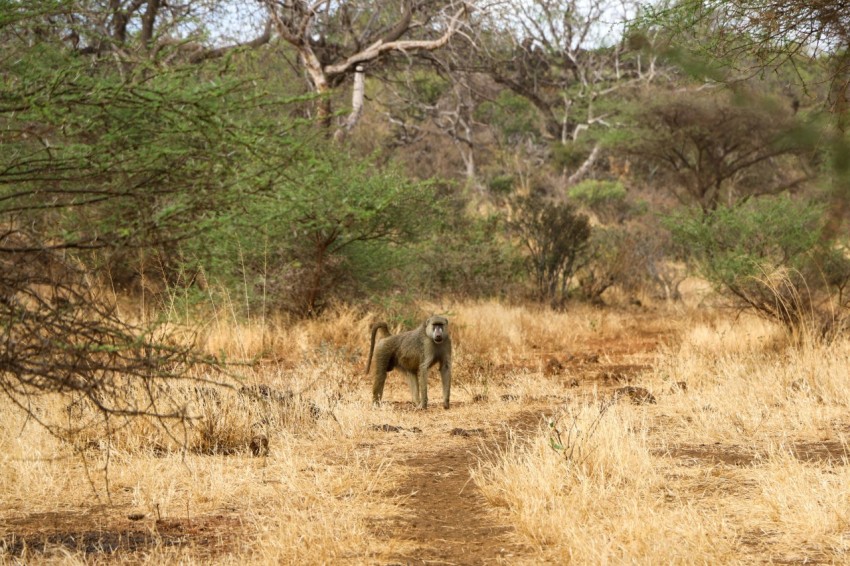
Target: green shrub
pixel 557 237
pixel 569 156
pixel 512 115
pixel 606 199
pixel 467 256
pixel 334 227
pixel 501 185
pixel 768 254
pixel 612 259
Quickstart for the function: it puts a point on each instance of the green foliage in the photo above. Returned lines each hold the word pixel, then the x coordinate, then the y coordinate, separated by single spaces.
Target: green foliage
pixel 511 115
pixel 612 259
pixel 181 174
pixel 570 155
pixel 719 148
pixel 428 87
pixel 607 199
pixel 736 244
pixel 469 257
pixel 596 192
pixel 711 37
pixel 325 229
pixel 501 185
pixel 556 236
pixel 100 158
pixel 767 253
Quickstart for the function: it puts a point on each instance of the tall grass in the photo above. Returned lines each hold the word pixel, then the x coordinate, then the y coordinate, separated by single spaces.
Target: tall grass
pixel 593 494
pixel 711 473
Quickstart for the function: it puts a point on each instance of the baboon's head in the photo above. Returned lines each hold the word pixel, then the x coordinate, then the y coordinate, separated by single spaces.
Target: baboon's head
pixel 437 327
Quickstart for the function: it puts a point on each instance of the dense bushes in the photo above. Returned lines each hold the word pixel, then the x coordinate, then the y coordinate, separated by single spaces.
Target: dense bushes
pixel 769 255
pixel 331 227
pixel 556 237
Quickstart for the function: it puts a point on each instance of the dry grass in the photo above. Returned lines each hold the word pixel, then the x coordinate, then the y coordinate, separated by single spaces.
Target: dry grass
pixel 747 464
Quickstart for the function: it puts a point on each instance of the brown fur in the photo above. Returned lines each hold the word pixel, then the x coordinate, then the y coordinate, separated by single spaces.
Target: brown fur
pixel 413 352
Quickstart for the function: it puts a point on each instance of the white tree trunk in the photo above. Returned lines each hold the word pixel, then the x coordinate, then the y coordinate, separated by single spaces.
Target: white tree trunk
pixel 582 171
pixel 358 92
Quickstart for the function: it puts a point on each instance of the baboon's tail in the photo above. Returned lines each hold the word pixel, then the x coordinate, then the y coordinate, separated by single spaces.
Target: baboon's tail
pixel 374 330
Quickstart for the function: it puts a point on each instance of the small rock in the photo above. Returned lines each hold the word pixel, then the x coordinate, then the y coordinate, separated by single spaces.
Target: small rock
pixel 637 395
pixel 260 445
pixel 467 432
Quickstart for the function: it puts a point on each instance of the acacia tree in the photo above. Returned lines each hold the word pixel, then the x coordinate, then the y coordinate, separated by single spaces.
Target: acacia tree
pixel 100 162
pixel 749 35
pixel 767 256
pixel 718 151
pixel 137 30
pixel 746 37
pixel 325 226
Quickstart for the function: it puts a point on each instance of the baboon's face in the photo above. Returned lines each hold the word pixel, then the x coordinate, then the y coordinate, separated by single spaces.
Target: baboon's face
pixel 437 328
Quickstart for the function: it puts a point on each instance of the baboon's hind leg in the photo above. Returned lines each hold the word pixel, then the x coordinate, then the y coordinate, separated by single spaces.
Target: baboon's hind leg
pixel 378 385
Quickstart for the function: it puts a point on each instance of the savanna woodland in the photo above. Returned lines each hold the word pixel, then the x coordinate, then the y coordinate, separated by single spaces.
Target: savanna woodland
pixel 633 215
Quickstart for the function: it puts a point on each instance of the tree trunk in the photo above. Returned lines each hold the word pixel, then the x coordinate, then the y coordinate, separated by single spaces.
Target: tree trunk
pixel 358 92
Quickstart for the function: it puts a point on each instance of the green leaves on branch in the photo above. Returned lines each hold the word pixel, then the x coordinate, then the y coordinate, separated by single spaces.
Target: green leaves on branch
pixel 332 226
pixel 129 159
pixel 738 243
pixel 768 254
pixel 607 200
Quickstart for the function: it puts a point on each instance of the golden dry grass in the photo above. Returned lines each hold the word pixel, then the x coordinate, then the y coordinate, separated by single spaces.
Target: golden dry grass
pixel 748 464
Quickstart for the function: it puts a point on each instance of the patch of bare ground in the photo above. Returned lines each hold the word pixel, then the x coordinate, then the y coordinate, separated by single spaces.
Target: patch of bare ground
pixel 444 518
pixel 826 452
pixel 98 535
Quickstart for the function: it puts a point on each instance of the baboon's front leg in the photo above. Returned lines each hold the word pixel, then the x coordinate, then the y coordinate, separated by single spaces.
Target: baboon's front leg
pixel 423 387
pixel 446 377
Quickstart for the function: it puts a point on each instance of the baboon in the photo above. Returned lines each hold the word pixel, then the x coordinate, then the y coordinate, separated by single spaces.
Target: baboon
pixel 413 352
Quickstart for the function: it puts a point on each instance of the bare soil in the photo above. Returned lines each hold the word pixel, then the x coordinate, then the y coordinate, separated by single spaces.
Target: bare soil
pixel 447 520
pixel 100 533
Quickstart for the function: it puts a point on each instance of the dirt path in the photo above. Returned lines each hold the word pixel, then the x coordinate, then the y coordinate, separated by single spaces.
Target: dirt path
pixel 446 519
pixel 437 514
